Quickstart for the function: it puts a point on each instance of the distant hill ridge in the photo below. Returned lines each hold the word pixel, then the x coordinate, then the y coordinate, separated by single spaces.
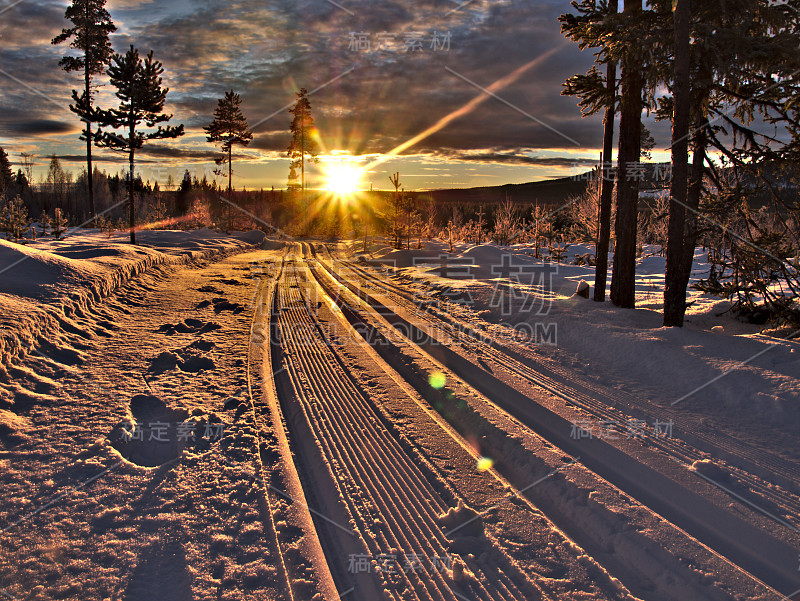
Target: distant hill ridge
pixel 545 192
pixel 653 176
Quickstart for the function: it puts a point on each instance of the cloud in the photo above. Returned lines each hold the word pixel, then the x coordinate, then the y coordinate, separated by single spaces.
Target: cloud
pixel 266 51
pixel 36 127
pixel 522 159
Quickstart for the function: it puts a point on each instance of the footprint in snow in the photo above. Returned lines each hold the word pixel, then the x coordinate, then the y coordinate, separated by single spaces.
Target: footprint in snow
pixel 185 360
pixel 162 573
pixel 188 326
pixel 223 304
pixel 209 289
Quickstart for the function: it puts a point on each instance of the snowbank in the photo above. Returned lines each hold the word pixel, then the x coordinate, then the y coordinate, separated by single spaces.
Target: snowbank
pixel 45 283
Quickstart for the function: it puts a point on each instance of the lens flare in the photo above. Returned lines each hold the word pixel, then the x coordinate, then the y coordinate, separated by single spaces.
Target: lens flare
pixel 484 464
pixel 437 380
pixel 342 179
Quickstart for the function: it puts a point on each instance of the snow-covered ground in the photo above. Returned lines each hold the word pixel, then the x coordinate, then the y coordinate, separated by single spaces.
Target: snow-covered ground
pixel 758 397
pixel 298 458
pixel 43 282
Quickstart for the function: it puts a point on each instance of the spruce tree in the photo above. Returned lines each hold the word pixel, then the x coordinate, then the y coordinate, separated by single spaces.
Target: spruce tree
pixel 14 219
pixel 304 142
pixel 142 98
pixel 674 296
pixel 230 128
pixel 596 94
pixel 623 278
pixel 90 32
pixel 5 172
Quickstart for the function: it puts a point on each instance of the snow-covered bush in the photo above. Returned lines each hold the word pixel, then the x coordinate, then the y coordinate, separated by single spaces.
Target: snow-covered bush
pixel 45 223
pixel 59 223
pixel 507 224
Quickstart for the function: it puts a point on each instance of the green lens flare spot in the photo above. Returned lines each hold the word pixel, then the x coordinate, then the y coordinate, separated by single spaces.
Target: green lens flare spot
pixel 484 463
pixel 437 380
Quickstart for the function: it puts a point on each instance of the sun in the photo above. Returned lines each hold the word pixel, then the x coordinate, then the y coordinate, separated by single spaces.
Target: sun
pixel 342 179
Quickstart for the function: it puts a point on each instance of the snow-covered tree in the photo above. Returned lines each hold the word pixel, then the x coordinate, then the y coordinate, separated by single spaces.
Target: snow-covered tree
pixel 507 224
pixel 59 223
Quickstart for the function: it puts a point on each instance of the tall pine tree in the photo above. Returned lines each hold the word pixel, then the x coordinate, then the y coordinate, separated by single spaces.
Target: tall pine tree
pixel 623 278
pixel 229 128
pixel 674 297
pixel 91 27
pixel 304 138
pixel 595 94
pixel 142 98
pixel 743 65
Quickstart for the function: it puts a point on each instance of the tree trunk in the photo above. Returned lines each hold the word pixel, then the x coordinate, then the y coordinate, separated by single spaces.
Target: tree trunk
pixel 303 159
pixel 693 202
pixel 131 208
pixel 89 174
pixel 230 189
pixel 677 241
pixel 623 280
pixel 607 184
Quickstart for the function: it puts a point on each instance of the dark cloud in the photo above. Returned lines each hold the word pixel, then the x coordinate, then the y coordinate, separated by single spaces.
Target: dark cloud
pixel 36 127
pixel 96 158
pixel 522 159
pixel 169 152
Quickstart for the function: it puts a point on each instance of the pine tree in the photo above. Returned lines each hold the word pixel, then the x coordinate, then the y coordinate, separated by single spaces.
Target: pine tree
pixel 14 219
pixel 5 172
pixel 142 99
pixel 90 32
pixel 230 128
pixel 45 219
pixel 623 280
pixel 304 138
pixel 674 297
pixel 743 64
pixel 59 223
pixel 595 93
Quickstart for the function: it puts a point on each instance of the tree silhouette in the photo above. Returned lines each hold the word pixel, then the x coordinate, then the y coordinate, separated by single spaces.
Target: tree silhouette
pixel 5 172
pixel 304 138
pixel 623 279
pixel 229 127
pixel 142 99
pixel 597 94
pixel 674 297
pixel 91 27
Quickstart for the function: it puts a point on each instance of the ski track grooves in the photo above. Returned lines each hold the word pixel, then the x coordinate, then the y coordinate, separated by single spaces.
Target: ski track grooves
pixel 768 559
pixel 393 505
pixel 604 404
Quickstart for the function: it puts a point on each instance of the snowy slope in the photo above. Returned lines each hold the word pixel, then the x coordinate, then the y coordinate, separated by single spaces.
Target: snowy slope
pixel 46 282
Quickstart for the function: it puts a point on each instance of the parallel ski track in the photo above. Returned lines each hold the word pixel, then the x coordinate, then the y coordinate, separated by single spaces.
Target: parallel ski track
pixel 765 570
pixel 603 404
pixel 380 483
pixel 260 416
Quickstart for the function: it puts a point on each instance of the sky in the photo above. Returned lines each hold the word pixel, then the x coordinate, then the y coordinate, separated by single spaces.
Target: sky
pixel 449 93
